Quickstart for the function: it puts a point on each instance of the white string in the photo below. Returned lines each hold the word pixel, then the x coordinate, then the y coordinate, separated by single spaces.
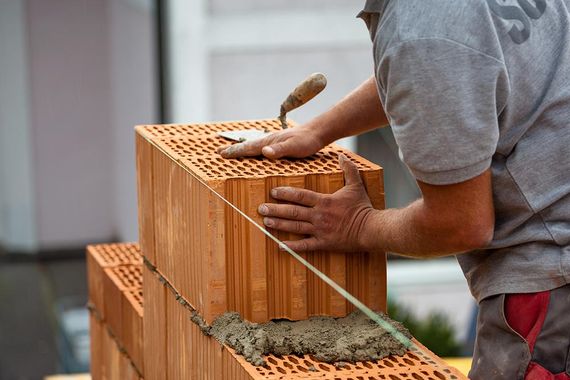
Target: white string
pixel 405 341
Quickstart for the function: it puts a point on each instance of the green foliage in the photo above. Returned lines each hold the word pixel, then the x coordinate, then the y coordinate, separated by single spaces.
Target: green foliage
pixel 435 331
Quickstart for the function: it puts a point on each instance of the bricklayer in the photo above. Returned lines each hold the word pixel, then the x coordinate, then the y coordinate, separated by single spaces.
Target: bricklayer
pixel 216 258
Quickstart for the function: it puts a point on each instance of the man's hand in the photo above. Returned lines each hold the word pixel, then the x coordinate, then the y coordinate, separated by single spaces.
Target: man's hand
pixel 358 112
pixel 297 142
pixel 330 221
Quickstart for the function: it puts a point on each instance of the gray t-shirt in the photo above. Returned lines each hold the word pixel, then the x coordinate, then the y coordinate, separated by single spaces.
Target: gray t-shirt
pixel 473 84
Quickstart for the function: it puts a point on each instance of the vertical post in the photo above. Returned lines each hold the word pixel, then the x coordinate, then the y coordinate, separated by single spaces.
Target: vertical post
pixel 188 56
pixel 17 198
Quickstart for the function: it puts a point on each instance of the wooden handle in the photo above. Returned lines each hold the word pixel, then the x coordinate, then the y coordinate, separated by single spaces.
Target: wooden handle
pixel 304 92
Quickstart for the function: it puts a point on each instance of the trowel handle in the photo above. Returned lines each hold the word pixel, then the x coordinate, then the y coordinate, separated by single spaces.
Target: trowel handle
pixel 304 92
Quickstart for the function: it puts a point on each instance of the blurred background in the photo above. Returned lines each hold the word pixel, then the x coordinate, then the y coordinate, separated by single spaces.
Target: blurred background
pixel 77 75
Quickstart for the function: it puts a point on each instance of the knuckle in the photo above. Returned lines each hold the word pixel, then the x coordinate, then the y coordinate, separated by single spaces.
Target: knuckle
pixel 293 213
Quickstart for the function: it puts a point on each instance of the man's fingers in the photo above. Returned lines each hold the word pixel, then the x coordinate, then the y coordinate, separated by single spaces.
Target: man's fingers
pixel 285 211
pixel 304 245
pixel 351 174
pixel 294 195
pixel 293 226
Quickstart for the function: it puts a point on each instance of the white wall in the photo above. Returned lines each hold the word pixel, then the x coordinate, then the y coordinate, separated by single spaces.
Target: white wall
pixel 134 100
pixel 17 212
pixel 78 76
pixel 71 131
pixel 239 60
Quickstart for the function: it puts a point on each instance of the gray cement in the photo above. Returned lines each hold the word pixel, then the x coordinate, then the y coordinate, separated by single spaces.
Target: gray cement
pixel 332 340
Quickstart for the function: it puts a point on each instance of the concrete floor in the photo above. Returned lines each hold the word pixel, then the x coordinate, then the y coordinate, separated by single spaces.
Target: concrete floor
pixel 29 291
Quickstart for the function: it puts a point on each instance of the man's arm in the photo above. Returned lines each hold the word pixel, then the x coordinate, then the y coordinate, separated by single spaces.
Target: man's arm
pixel 448 219
pixel 358 112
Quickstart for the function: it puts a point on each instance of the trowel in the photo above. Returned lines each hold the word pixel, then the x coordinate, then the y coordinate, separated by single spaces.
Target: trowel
pixel 304 92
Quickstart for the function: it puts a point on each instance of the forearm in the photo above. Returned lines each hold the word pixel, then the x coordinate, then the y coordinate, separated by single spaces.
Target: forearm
pixel 407 232
pixel 448 219
pixel 358 112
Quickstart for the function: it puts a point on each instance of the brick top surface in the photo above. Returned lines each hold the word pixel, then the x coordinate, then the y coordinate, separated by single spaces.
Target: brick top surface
pixel 195 146
pixel 415 364
pixel 110 255
pixel 127 276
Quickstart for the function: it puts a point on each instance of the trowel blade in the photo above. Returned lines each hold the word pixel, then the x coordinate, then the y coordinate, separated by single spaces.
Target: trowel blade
pixel 244 135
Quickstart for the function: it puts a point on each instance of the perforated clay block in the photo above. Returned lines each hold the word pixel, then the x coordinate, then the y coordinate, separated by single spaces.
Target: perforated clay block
pixel 175 348
pixel 217 259
pixel 189 354
pixel 115 292
pixel 104 256
pixel 108 362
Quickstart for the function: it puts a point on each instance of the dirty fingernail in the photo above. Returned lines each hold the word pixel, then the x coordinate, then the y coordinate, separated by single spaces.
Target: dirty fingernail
pixel 263 210
pixel 268 222
pixel 274 192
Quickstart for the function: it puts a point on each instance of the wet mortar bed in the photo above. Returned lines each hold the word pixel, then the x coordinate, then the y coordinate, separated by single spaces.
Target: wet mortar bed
pixel 332 340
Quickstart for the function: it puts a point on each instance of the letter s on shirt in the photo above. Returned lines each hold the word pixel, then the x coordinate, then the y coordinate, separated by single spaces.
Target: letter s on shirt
pixel 522 13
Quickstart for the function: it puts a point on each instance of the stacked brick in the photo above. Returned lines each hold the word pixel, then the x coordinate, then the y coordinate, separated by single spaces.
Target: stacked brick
pixel 115 299
pixel 175 347
pixel 202 258
pixel 220 261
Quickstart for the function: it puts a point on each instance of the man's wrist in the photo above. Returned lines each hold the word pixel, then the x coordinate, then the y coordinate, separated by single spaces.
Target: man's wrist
pixel 369 237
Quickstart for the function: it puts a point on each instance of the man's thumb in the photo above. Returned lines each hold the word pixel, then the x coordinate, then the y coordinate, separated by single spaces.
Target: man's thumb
pixel 351 174
pixel 276 151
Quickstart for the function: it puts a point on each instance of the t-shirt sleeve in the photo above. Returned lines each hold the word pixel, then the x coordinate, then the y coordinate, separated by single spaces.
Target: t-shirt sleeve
pixel 443 101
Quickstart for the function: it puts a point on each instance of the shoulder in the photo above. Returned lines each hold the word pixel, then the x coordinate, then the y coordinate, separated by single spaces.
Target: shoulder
pixel 465 22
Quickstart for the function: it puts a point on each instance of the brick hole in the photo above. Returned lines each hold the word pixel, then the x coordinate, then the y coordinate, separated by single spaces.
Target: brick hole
pixel 302 369
pixel 279 369
pixel 417 377
pixel 439 375
pixel 367 365
pixel 324 367
pixel 272 360
pixel 308 363
pixel 413 356
pixel 394 377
